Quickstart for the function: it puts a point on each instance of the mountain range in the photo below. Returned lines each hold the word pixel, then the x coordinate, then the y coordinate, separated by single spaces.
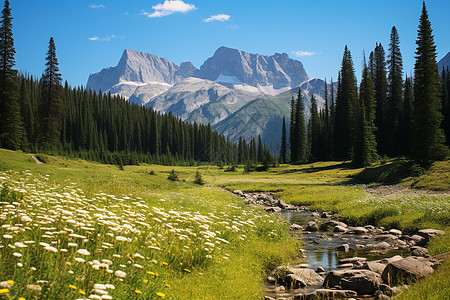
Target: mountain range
pixel 444 62
pixel 240 94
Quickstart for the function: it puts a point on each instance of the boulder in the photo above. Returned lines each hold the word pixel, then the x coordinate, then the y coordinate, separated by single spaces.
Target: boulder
pixel 406 270
pixel 325 215
pixel 419 251
pixel 346 266
pixel 295 227
pixel 359 230
pixel 338 228
pixel 361 281
pixel 309 276
pixel 419 240
pixel 294 281
pixel 271 280
pixel 320 270
pixel 374 266
pixel 352 260
pixel 395 232
pixel 344 247
pixel 388 260
pixel 327 294
pixel 238 192
pixel 312 226
pixel 431 232
pixel 273 209
pixel 382 246
pixel 281 204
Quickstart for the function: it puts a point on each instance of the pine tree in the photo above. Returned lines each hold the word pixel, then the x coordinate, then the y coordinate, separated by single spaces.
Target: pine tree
pixel 51 103
pixel 380 83
pixel 364 141
pixel 283 149
pixel 11 130
pixel 326 124
pixel 407 117
pixel 427 136
pixel 346 99
pixel 292 136
pixel 299 130
pixel 445 94
pixel 315 131
pixel 395 96
pixel 260 155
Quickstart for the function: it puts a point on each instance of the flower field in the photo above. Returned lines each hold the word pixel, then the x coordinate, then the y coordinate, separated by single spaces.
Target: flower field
pixel 56 242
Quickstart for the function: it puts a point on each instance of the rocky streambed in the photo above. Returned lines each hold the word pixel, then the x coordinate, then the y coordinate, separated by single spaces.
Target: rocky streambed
pixel 340 261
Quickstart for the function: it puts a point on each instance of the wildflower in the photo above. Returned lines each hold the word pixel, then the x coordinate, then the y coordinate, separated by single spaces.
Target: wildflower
pixel 51 249
pixel 120 274
pixel 20 265
pixel 138 266
pixel 164 263
pixel 138 292
pixel 121 238
pixel 187 270
pixel 81 292
pixel 34 287
pixel 160 295
pixel 4 291
pixel 72 287
pixel 83 252
pixel 167 285
pixel 99 286
pixel 21 298
pixel 79 259
pixel 110 286
pixel 106 297
pixel 10 282
pixel 7 236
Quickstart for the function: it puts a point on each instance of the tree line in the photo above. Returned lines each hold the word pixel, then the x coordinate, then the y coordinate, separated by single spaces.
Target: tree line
pixel 385 116
pixel 42 115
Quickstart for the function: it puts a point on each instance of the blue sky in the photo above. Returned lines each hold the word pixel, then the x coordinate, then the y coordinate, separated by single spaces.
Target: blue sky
pixel 91 35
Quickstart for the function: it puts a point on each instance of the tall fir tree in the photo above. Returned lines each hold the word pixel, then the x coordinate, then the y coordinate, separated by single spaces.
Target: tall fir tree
pixel 326 123
pixel 428 140
pixel 445 94
pixel 260 155
pixel 407 117
pixel 346 99
pixel 300 130
pixel 315 132
pixel 380 83
pixel 364 142
pixel 395 96
pixel 283 149
pixel 11 129
pixel 51 102
pixel 292 136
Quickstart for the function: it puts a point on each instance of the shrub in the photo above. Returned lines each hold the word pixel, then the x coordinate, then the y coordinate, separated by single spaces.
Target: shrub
pixel 173 176
pixel 198 178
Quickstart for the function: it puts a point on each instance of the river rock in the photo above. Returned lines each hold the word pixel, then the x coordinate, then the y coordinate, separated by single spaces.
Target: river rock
pixel 382 246
pixel 346 266
pixel 309 276
pixel 280 289
pixel 344 247
pixel 374 266
pixel 361 281
pixel 312 226
pixel 388 260
pixel 339 229
pixel 271 280
pixel 273 209
pixel 282 204
pixel 352 260
pixel 296 227
pixel 359 230
pixel 405 270
pixel 395 232
pixel 325 215
pixel 238 192
pixel 419 251
pixel 419 240
pixel 294 281
pixel 327 294
pixel 431 232
pixel 320 270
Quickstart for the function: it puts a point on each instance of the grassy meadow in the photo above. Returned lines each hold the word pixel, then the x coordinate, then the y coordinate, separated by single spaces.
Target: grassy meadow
pixel 76 229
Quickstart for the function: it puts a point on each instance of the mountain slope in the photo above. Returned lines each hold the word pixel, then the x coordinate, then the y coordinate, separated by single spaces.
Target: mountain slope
pixel 444 62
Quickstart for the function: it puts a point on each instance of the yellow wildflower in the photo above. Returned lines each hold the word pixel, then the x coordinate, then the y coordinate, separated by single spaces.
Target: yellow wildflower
pixel 164 263
pixel 10 282
pixel 72 287
pixel 150 273
pixel 4 291
pixel 145 280
pixel 167 285
pixel 82 292
pixel 21 298
pixel 187 270
pixel 160 295
pixel 138 292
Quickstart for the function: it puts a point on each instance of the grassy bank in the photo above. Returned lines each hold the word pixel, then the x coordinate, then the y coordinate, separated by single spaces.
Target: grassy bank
pixel 72 228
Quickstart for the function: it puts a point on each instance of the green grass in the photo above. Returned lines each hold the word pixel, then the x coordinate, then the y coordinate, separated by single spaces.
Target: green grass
pixel 183 240
pixel 236 269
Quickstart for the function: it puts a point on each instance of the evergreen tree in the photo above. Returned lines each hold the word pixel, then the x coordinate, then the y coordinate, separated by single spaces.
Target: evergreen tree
pixel 315 131
pixel 445 94
pixel 364 141
pixel 407 117
pixel 260 149
pixel 51 102
pixel 427 136
pixel 395 96
pixel 27 114
pixel 283 158
pixel 198 178
pixel 345 102
pixel 299 130
pixel 326 125
pixel 11 130
pixel 292 136
pixel 332 118
pixel 380 83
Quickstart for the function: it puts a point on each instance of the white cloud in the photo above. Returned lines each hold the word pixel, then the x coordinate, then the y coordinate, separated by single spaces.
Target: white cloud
pixel 300 53
pixel 97 6
pixel 107 38
pixel 169 7
pixel 219 17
